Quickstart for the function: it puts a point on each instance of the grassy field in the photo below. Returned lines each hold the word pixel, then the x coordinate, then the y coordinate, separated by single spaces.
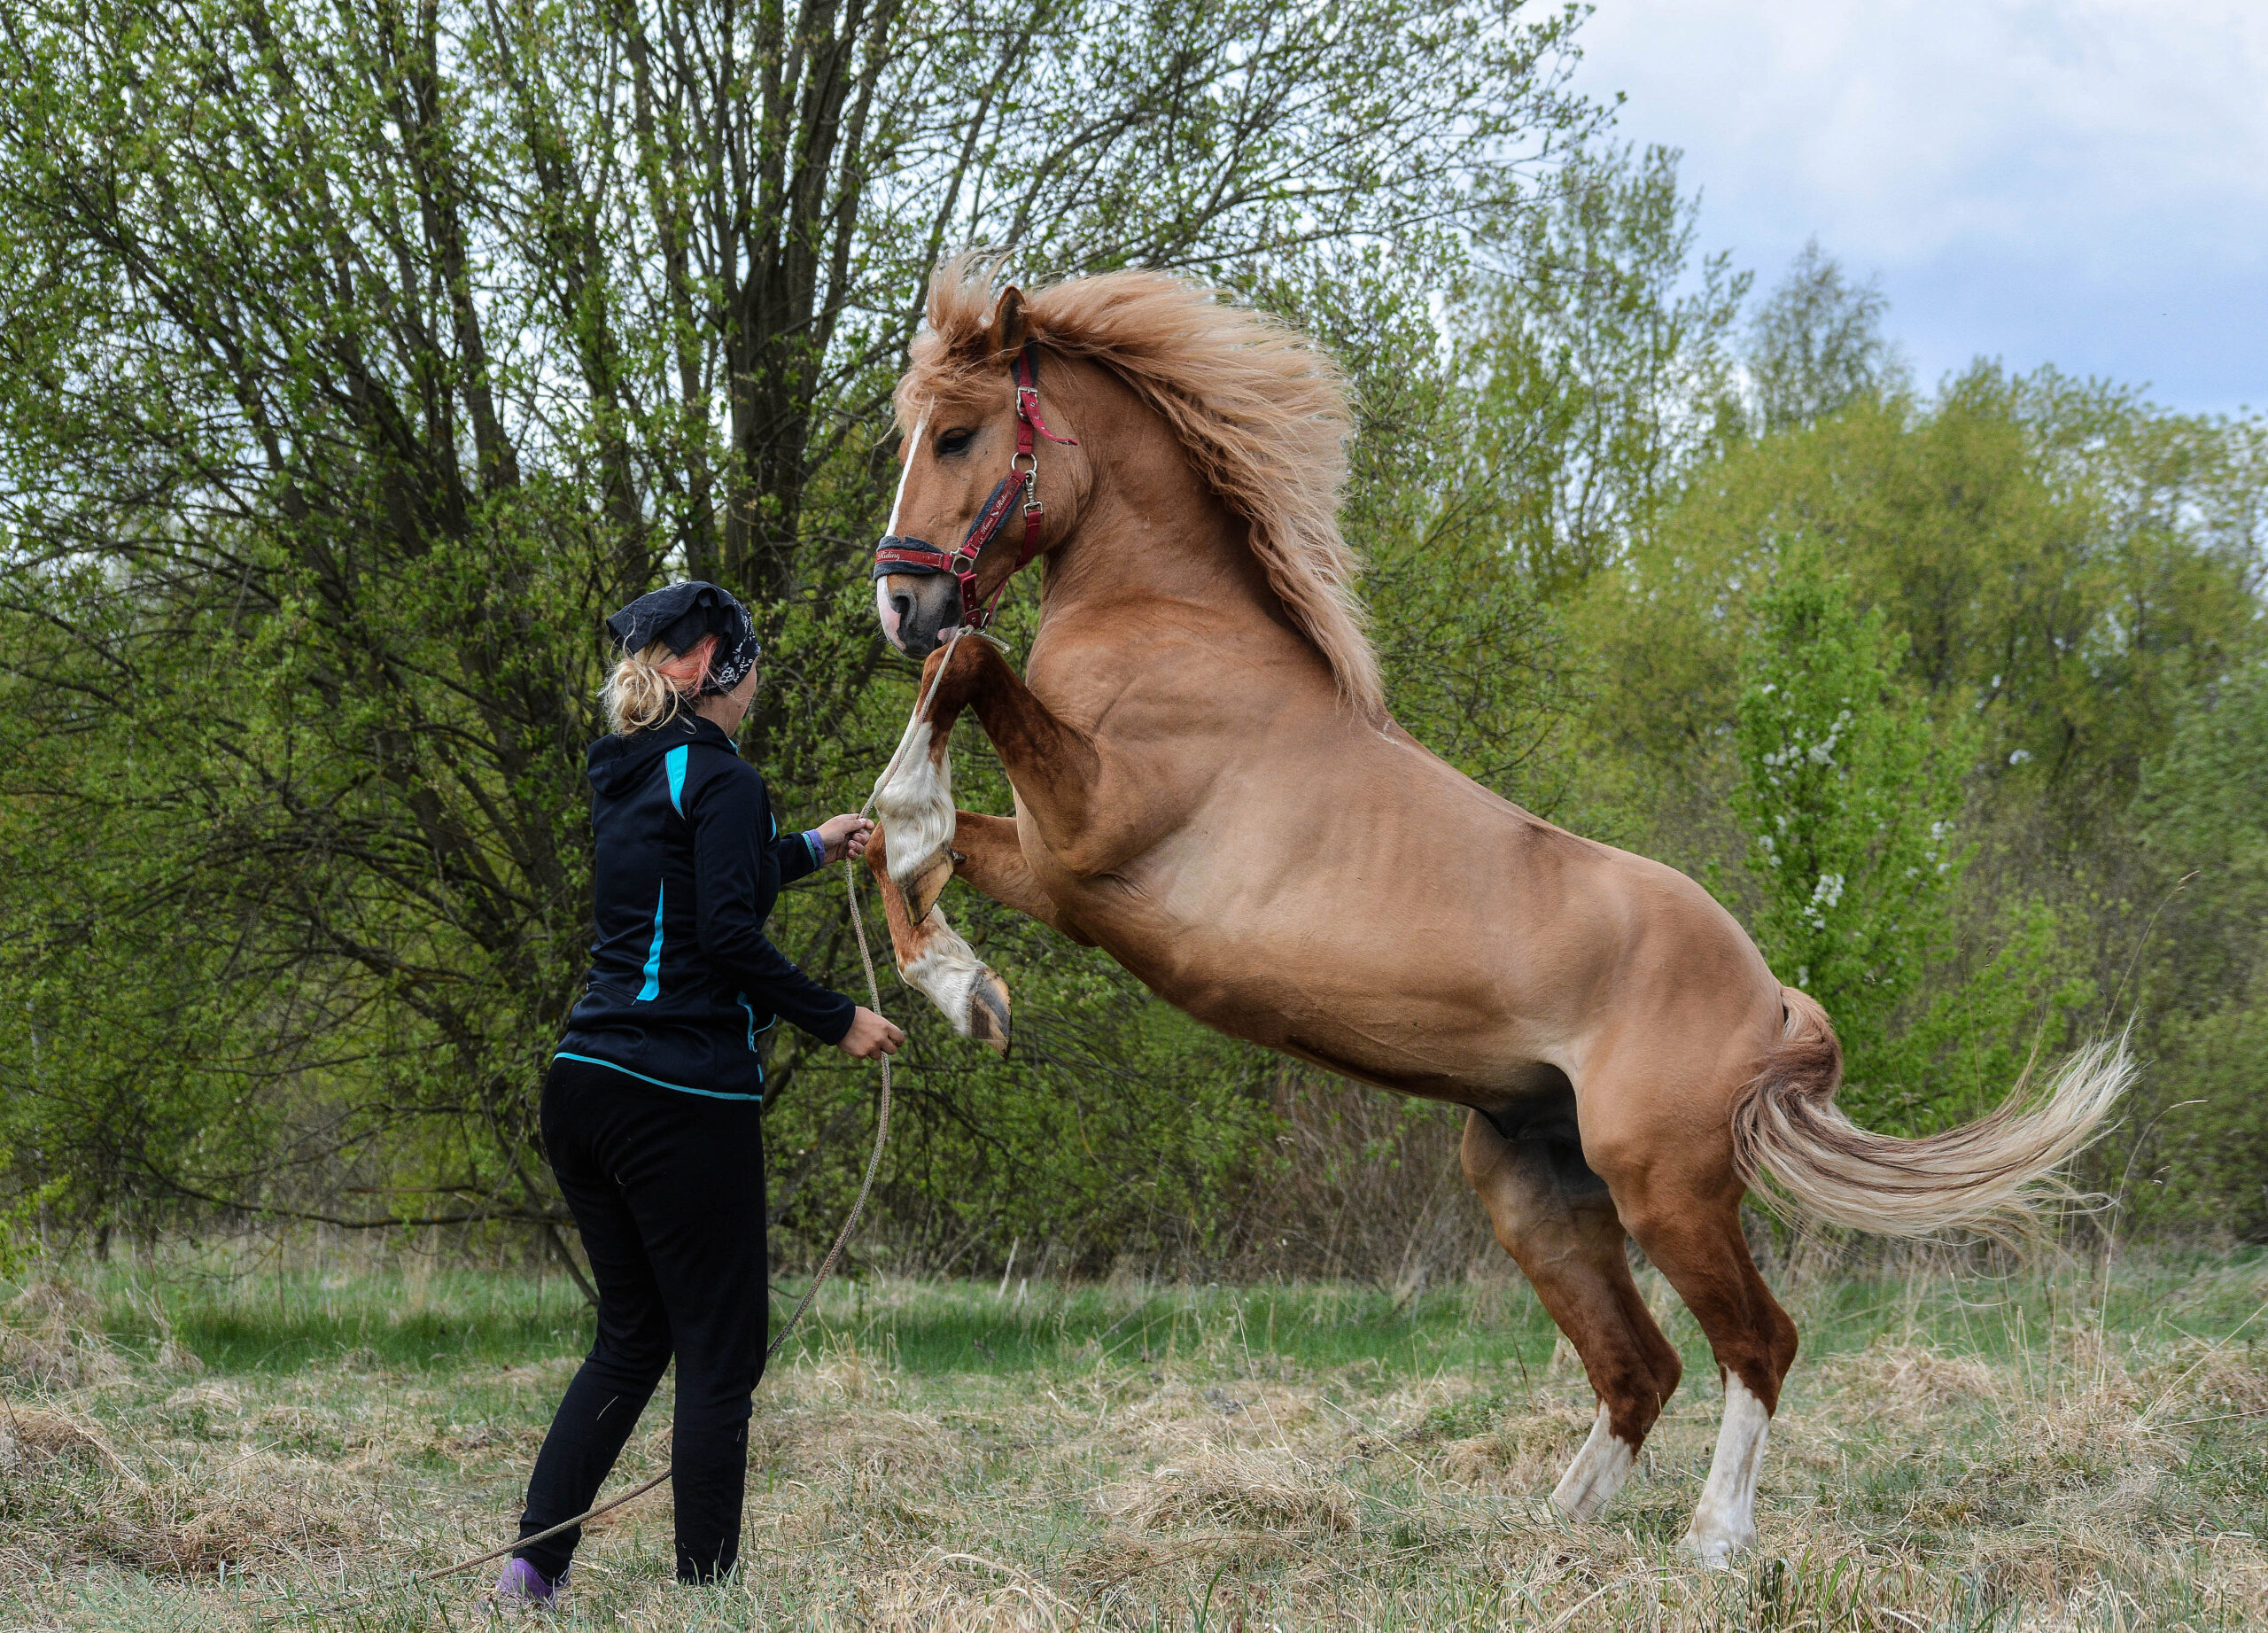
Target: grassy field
pixel 217 1442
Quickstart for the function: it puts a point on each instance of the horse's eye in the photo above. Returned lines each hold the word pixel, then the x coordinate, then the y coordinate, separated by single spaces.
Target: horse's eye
pixel 953 442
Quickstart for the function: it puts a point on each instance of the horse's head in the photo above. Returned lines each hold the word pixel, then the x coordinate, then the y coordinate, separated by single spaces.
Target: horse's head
pixel 987 483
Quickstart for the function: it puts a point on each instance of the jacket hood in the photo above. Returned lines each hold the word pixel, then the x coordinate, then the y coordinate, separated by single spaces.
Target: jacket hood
pixel 617 764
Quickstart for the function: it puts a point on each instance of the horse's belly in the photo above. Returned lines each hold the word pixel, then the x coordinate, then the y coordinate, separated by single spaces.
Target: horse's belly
pixel 1407 1000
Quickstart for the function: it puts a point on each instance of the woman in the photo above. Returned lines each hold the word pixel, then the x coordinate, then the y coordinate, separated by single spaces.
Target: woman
pixel 652 1106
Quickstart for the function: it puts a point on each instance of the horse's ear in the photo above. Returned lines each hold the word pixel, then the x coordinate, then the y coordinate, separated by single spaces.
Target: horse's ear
pixel 1009 328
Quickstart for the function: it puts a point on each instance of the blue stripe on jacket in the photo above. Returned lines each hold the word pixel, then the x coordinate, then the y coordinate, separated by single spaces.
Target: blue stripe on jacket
pixel 652 990
pixel 676 803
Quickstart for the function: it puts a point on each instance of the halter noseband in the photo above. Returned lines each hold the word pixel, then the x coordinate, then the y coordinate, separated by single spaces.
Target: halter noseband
pixel 898 554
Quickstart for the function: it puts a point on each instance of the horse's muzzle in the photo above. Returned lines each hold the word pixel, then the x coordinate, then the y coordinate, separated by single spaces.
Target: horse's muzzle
pixel 916 607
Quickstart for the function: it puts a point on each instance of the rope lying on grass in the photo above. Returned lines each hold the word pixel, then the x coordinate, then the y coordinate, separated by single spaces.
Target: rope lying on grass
pixel 843 1237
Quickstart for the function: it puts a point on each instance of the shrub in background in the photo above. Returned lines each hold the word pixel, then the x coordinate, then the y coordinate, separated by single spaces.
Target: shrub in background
pixel 1851 800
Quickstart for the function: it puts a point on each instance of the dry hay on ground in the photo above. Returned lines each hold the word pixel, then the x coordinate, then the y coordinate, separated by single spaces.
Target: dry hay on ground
pixel 1911 1483
pixel 1274 1492
pixel 50 1339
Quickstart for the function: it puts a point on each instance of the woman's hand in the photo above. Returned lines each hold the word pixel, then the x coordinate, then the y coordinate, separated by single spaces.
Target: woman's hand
pixel 871 1036
pixel 844 836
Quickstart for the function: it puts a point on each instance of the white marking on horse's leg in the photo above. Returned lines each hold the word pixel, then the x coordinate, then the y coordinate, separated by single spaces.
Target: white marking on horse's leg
pixel 916 806
pixel 1724 1522
pixel 1597 1473
pixel 950 975
pixel 946 970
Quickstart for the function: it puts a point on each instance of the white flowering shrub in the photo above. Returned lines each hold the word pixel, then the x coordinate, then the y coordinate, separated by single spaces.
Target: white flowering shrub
pixel 1851 801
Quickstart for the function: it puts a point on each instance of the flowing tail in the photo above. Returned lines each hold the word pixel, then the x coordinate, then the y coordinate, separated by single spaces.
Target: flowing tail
pixel 1994 1175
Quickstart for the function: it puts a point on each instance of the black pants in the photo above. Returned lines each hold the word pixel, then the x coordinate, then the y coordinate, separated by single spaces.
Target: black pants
pixel 667 1189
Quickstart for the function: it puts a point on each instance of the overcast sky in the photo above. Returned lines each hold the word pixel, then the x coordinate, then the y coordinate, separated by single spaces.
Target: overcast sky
pixel 2077 181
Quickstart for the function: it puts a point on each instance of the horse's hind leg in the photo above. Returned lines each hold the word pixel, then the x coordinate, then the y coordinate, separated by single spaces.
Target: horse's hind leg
pixel 1557 1221
pixel 1680 1199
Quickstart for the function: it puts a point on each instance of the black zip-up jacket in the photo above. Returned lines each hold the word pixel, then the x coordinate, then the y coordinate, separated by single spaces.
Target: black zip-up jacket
pixel 689 862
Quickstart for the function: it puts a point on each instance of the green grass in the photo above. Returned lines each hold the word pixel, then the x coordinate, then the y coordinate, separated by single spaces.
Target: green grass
pixel 240 1320
pixel 285 1321
pixel 220 1443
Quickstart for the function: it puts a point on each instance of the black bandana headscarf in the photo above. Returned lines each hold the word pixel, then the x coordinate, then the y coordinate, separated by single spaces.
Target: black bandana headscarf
pixel 679 616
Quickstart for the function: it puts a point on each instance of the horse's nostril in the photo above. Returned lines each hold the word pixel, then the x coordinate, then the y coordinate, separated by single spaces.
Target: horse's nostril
pixel 902 605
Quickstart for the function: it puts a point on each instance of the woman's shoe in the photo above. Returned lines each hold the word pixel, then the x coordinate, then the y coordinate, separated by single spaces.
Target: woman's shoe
pixel 522 1586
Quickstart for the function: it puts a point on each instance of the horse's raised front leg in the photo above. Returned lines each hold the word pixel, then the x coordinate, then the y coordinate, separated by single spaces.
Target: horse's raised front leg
pixel 1087 824
pixel 932 957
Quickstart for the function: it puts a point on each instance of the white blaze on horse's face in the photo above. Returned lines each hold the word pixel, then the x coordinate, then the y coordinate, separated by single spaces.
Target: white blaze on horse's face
pixel 905 470
pixel 959 451
pixel 895 593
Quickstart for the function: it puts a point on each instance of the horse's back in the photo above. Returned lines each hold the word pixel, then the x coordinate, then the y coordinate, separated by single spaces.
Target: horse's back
pixel 1345 896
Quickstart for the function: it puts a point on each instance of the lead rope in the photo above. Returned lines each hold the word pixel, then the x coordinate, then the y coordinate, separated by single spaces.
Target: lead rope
pixel 866 1188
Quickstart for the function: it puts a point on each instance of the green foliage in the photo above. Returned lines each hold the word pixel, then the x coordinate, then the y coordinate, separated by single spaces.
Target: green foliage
pixel 2202 969
pixel 2203 811
pixel 1816 345
pixel 1851 802
pixel 2076 573
pixel 2058 554
pixel 357 360
pixel 1595 353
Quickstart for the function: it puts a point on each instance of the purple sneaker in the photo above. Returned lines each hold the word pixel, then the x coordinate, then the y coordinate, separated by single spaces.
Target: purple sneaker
pixel 522 1586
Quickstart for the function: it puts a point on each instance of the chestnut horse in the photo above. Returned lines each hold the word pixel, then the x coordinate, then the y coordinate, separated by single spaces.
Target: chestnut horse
pixel 1209 788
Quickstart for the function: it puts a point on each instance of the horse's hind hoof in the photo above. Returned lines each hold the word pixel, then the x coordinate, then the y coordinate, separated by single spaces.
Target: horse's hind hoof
pixel 988 1013
pixel 1714 1553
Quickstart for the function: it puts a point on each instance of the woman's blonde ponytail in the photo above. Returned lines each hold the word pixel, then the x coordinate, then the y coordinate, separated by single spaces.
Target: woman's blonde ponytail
pixel 648 688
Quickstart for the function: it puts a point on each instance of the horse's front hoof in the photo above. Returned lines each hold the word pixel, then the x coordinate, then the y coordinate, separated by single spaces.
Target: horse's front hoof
pixel 962 986
pixel 988 1012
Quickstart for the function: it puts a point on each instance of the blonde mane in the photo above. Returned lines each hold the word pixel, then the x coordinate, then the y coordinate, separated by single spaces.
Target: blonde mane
pixel 1262 410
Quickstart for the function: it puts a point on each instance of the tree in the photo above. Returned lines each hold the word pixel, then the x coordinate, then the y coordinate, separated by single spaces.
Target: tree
pixel 1849 803
pixel 1816 345
pixel 1851 800
pixel 359 358
pixel 1593 348
pixel 2062 558
pixel 2200 961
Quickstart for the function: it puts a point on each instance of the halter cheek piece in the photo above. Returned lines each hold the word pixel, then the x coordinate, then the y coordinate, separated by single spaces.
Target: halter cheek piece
pixel 896 555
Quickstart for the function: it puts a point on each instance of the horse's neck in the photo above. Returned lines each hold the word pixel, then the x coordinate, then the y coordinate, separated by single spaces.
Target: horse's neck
pixel 1152 530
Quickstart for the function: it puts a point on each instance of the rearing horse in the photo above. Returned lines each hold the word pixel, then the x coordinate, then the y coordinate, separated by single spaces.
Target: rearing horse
pixel 1209 788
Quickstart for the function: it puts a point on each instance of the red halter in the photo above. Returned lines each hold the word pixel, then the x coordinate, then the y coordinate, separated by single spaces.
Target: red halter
pixel 896 555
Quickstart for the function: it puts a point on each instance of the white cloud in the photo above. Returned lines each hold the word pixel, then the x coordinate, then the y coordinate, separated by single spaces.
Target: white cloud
pixel 2083 182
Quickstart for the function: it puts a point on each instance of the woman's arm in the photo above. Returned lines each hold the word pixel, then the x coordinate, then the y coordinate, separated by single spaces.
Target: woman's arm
pixel 737 869
pixel 797 854
pixel 814 848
